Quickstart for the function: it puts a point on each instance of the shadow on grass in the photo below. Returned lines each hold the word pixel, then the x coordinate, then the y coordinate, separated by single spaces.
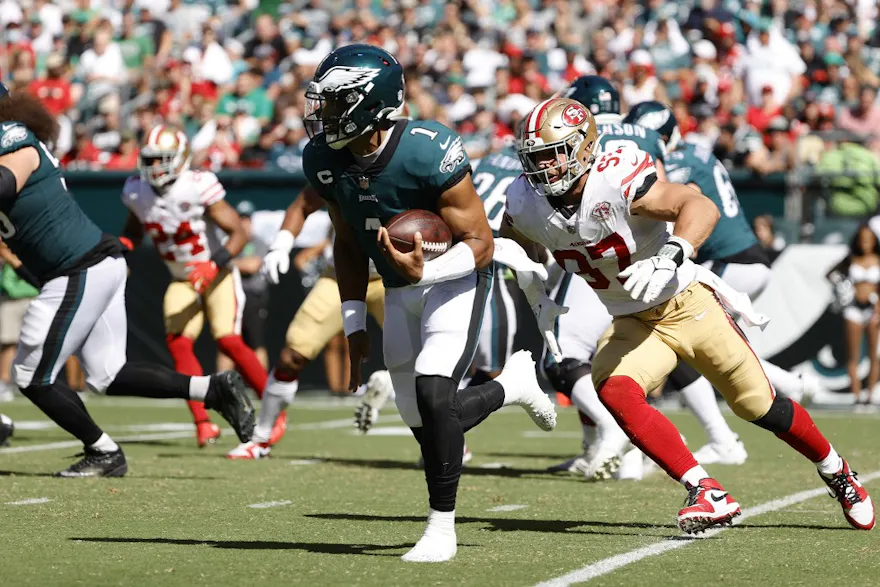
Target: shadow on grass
pixel 468 470
pixel 520 525
pixel 316 547
pixel 134 477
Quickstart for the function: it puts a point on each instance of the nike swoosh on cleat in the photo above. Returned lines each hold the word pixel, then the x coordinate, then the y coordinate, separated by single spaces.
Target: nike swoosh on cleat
pixel 721 497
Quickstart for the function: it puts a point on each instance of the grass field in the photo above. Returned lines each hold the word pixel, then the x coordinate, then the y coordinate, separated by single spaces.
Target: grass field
pixel 333 508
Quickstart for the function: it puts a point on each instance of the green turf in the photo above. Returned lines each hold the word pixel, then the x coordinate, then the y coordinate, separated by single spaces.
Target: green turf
pixel 181 517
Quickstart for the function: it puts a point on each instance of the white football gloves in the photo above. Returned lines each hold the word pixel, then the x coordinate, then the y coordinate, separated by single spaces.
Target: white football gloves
pixel 277 261
pixel 546 311
pixel 646 279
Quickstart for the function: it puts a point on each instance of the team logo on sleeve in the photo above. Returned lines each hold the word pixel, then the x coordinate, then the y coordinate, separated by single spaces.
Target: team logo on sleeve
pixel 12 135
pixel 455 155
pixel 601 211
pixel 574 115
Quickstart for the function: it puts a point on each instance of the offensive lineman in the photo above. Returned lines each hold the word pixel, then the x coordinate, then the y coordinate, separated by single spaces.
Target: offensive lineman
pixel 606 219
pixel 81 305
pixel 181 209
pixel 369 165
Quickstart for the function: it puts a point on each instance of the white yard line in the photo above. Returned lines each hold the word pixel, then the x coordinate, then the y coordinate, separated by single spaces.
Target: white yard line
pixel 32 501
pixel 188 433
pixel 508 508
pixel 270 504
pixel 611 564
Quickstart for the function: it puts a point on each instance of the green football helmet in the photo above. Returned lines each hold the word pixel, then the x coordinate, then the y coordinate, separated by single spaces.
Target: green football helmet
pixel 596 93
pixel 656 116
pixel 355 88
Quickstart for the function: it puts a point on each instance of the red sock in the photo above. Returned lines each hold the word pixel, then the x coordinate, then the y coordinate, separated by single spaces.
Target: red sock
pixel 647 428
pixel 186 363
pixel 804 436
pixel 246 360
pixel 586 420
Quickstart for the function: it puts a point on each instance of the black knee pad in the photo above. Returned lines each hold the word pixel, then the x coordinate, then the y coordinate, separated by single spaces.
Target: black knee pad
pixel 779 417
pixel 435 395
pixel 565 374
pixel 683 375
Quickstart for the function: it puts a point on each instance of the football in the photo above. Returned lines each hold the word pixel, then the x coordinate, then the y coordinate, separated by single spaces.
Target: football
pixel 436 236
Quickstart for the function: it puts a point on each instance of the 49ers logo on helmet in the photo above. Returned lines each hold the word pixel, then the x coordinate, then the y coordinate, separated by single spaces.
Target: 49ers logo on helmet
pixel 574 115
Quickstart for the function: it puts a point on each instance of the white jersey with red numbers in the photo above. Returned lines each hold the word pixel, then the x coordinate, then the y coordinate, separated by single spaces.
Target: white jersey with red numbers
pixel 176 219
pixel 601 237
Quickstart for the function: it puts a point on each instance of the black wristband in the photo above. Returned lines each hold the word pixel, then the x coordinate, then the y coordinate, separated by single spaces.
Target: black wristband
pixel 674 251
pixel 222 257
pixel 26 274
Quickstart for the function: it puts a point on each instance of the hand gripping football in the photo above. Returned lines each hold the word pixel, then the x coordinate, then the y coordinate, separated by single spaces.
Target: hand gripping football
pixel 436 236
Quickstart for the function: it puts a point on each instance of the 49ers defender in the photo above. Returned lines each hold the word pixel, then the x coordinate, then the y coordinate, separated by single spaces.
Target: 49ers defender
pixel 181 210
pixel 606 220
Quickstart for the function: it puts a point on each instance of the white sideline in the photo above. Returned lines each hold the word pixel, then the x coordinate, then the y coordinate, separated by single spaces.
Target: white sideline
pixel 611 564
pixel 329 424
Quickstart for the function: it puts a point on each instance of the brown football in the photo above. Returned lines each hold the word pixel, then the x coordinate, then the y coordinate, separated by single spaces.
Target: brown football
pixel 436 236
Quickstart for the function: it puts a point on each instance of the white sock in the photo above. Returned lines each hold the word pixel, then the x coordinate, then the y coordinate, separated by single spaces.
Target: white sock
pixel 830 464
pixel 105 444
pixel 440 523
pixel 693 476
pixel 198 388
pixel 789 384
pixel 700 397
pixel 277 396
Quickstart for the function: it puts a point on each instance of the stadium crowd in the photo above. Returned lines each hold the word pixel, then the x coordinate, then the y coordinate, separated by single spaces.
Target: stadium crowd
pixel 748 77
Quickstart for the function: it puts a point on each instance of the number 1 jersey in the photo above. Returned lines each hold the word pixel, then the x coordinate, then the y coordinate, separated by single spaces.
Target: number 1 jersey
pixel 175 220
pixel 600 237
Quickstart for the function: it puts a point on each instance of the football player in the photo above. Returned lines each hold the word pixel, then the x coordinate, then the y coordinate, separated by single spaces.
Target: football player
pixel 80 308
pixel 732 252
pixel 182 209
pixel 607 219
pixel 369 164
pixel 491 177
pixel 316 322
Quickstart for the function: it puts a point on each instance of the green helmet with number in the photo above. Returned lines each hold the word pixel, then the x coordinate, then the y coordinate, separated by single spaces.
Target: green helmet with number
pixel 354 90
pixel 596 93
pixel 656 116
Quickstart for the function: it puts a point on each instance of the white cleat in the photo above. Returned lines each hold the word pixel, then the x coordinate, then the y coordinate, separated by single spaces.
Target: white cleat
pixel 249 451
pixel 576 464
pixel 6 395
pixel 521 388
pixel 713 453
pixel 438 544
pixel 603 466
pixel 632 466
pixel 379 390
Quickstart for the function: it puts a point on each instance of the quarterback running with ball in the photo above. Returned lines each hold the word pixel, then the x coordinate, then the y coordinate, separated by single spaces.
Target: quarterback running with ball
pixel 605 218
pixel 369 165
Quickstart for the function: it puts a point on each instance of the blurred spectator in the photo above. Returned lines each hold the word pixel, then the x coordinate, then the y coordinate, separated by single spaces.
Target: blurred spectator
pixel 101 68
pixel 54 90
pixel 864 118
pixel 247 97
pixel 771 242
pixel 852 173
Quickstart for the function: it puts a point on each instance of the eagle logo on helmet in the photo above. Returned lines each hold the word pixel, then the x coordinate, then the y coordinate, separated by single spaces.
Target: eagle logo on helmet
pixel 343 77
pixel 654 120
pixel 574 115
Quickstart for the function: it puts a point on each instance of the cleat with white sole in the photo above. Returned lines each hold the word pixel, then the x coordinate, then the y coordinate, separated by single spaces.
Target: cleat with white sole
pixel 858 509
pixel 708 504
pixel 521 388
pixel 249 451
pixel 379 390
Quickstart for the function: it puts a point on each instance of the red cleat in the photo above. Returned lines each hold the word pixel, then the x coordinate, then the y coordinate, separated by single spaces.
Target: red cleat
pixel 562 400
pixel 278 429
pixel 854 499
pixel 708 504
pixel 207 433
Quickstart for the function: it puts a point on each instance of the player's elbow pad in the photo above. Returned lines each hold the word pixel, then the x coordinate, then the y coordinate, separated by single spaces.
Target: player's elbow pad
pixel 8 184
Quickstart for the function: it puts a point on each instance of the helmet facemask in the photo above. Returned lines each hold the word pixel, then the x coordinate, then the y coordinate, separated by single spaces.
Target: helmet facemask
pixel 161 168
pixel 332 114
pixel 557 178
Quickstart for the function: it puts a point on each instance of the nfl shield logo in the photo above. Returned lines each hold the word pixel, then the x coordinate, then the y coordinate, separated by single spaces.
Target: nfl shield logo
pixel 364 182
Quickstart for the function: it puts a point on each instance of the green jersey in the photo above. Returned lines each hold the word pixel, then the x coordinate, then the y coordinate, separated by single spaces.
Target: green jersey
pixel 612 136
pixel 421 160
pixel 492 176
pixel 693 164
pixel 43 226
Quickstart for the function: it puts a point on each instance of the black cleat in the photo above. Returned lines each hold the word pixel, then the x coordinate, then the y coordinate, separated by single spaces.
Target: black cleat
pixel 95 463
pixel 228 395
